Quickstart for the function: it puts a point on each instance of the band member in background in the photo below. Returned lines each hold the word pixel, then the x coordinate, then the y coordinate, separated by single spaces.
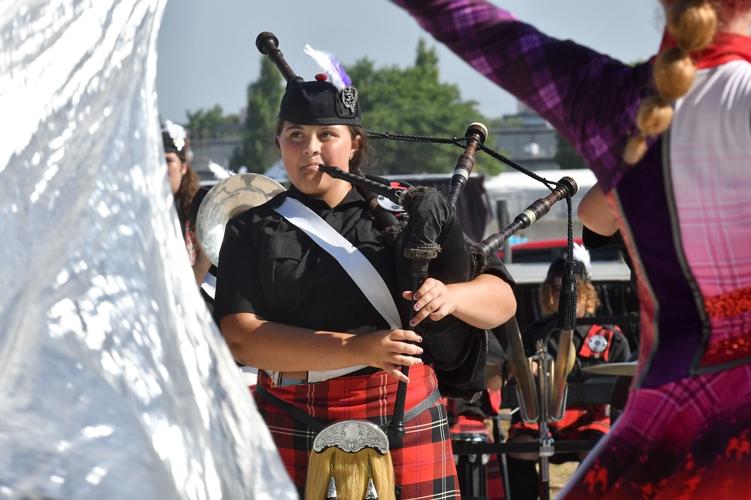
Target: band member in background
pixel 669 141
pixel 182 179
pixel 594 344
pixel 287 306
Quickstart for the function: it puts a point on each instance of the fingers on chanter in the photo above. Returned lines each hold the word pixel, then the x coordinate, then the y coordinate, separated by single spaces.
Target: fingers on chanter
pixel 404 360
pixel 423 301
pixel 397 374
pixel 427 285
pixel 399 334
pixel 403 347
pixel 419 316
pixel 438 314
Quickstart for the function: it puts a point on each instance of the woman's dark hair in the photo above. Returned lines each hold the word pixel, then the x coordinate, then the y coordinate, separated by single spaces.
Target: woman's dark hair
pixel 184 196
pixel 362 155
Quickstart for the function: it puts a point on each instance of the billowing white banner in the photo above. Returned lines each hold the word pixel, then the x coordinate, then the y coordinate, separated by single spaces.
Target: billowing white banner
pixel 114 383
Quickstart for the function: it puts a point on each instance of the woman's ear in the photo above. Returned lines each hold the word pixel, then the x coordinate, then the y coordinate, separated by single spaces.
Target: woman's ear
pixel 276 141
pixel 356 145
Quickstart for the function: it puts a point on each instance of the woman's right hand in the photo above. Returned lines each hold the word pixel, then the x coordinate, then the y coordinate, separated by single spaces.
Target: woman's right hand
pixel 388 350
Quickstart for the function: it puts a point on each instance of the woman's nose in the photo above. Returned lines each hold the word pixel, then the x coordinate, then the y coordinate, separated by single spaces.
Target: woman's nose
pixel 313 147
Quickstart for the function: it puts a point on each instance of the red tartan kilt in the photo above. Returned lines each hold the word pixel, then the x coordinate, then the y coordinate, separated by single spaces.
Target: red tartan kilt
pixel 423 465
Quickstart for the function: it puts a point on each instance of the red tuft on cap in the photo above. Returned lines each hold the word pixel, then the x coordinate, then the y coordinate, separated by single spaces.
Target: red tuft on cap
pixel 321 77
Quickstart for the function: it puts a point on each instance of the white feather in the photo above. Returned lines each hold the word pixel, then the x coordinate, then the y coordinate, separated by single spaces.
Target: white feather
pixel 177 133
pixel 325 61
pixel 219 171
pixel 582 255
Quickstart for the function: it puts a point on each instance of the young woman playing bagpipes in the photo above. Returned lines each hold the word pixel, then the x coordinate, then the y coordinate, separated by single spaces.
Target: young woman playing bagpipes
pixel 670 142
pixel 285 304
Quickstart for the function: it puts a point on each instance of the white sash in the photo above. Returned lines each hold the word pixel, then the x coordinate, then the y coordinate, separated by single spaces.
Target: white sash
pixel 352 261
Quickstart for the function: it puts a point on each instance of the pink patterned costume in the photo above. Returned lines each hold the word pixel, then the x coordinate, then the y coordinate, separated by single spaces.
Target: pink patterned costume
pixel 686 429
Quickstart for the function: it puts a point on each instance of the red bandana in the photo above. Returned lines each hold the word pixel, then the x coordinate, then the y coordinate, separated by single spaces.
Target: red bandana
pixel 724 48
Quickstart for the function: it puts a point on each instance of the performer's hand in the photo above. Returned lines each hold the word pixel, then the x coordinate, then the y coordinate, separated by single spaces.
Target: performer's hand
pixel 388 350
pixel 433 299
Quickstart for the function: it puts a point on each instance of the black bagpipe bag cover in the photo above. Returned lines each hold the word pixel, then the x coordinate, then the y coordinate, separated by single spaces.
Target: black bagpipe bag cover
pixel 456 350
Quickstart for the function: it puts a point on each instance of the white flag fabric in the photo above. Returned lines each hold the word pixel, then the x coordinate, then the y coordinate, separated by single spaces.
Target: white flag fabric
pixel 114 382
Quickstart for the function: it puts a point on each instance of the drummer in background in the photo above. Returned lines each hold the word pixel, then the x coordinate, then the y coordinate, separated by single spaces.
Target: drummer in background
pixel 182 179
pixel 594 344
pixel 287 306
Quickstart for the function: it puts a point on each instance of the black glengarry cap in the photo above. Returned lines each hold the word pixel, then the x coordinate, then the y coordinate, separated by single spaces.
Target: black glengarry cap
pixel 320 103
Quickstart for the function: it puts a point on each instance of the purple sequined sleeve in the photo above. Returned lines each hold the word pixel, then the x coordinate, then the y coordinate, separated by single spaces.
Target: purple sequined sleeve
pixel 590 98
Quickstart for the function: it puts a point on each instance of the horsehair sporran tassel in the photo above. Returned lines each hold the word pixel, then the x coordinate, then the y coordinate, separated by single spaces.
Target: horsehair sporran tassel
pixel 331 490
pixel 370 493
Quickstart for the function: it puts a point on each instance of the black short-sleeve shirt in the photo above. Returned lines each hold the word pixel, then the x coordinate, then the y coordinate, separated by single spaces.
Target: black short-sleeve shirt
pixel 269 267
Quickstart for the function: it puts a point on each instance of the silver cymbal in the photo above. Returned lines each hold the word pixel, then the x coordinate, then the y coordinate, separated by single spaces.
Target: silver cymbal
pixel 626 369
pixel 230 197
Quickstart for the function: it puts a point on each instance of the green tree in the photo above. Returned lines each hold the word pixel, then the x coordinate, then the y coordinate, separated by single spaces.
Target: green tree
pixel 413 101
pixel 257 151
pixel 212 123
pixel 566 156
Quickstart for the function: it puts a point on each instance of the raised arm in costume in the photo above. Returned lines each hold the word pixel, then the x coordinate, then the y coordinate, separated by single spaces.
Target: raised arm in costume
pixel 682 201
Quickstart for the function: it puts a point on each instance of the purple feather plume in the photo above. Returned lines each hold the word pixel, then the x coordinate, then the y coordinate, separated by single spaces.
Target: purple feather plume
pixel 331 66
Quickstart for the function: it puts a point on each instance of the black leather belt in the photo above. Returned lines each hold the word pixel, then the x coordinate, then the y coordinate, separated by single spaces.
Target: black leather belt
pixel 315 425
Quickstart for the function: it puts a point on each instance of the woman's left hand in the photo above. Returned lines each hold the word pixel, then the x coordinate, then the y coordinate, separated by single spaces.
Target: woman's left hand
pixel 433 299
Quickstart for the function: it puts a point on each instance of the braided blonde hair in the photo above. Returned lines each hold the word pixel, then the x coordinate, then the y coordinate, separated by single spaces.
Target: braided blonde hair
pixel 693 24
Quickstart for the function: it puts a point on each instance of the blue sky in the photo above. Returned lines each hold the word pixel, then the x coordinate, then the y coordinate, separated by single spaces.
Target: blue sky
pixel 207 54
